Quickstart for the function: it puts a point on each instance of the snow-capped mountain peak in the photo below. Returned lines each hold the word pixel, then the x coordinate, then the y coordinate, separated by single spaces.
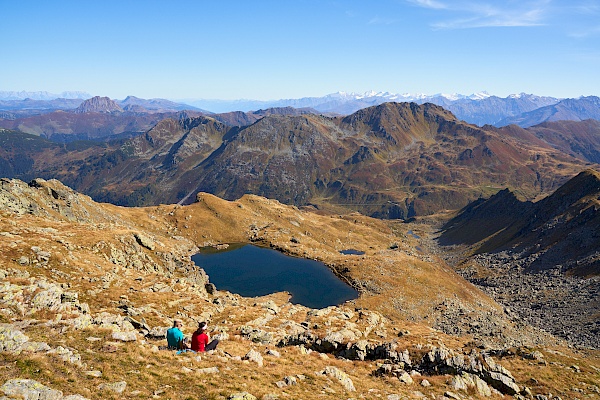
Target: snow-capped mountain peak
pixel 479 95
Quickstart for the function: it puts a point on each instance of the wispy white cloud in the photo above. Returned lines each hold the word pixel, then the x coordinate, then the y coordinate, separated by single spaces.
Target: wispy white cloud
pixel 481 14
pixel 436 5
pixel 585 32
pixel 585 23
pixel 382 21
pixel 588 7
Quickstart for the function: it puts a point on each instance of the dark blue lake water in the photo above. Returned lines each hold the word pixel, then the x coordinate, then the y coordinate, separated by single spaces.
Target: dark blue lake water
pixel 255 271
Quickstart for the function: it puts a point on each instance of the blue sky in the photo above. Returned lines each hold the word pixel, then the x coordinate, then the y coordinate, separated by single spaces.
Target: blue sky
pixel 289 49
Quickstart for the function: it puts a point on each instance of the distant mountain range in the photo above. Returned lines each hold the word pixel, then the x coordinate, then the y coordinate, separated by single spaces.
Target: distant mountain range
pixel 565 110
pixel 480 109
pixel 394 160
pixel 23 95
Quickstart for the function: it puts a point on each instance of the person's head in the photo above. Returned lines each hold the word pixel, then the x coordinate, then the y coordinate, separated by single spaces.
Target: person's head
pixel 202 326
pixel 177 323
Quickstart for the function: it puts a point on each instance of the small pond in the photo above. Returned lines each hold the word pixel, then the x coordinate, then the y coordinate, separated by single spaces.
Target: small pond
pixel 411 233
pixel 255 271
pixel 352 252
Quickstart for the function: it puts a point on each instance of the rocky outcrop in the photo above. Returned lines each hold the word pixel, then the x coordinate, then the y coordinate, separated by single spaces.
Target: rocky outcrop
pixel 98 104
pixel 340 376
pixel 558 304
pixel 469 372
pixel 478 367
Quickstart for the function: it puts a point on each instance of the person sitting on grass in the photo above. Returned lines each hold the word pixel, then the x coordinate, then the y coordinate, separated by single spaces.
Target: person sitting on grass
pixel 200 339
pixel 175 338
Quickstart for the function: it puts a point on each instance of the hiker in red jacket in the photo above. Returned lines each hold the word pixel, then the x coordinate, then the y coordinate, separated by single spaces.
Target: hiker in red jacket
pixel 200 339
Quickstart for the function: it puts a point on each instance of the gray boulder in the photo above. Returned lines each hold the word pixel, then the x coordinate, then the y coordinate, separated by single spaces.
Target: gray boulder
pixel 501 382
pixel 11 339
pixel 125 336
pixel 29 389
pixel 341 376
pixel 254 356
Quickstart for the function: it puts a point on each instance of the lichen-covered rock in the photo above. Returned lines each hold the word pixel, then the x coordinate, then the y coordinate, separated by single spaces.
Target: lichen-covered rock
pixel 111 321
pixel 144 241
pixel 11 339
pixel 30 389
pixel 158 332
pixel 335 340
pixel 405 378
pixel 256 335
pixel 271 306
pixel 290 380
pixel 341 376
pixel 254 356
pixel 125 336
pixel 81 322
pixel 273 353
pixel 501 382
pixel 49 298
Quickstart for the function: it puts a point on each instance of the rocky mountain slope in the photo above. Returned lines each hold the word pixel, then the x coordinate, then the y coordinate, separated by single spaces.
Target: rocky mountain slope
pixel 89 289
pixel 136 104
pixel 540 256
pixel 577 138
pixel 560 229
pixel 126 118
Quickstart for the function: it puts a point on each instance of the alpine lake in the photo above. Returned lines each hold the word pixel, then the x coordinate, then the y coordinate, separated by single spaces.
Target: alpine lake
pixel 252 271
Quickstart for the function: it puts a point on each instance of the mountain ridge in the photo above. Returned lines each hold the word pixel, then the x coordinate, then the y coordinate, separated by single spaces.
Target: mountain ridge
pixel 568 109
pixel 404 159
pixel 547 227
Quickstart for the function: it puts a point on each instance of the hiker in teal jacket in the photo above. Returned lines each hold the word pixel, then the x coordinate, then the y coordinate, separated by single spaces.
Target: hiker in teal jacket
pixel 175 336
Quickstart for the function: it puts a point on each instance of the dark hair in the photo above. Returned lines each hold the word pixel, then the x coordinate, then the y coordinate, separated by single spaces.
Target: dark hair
pixel 202 325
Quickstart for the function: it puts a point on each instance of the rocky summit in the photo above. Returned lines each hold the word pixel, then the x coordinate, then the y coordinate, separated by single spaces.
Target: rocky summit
pixel 99 105
pixel 89 289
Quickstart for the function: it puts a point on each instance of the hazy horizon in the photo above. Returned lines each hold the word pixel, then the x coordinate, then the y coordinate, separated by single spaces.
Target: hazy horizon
pixel 272 50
